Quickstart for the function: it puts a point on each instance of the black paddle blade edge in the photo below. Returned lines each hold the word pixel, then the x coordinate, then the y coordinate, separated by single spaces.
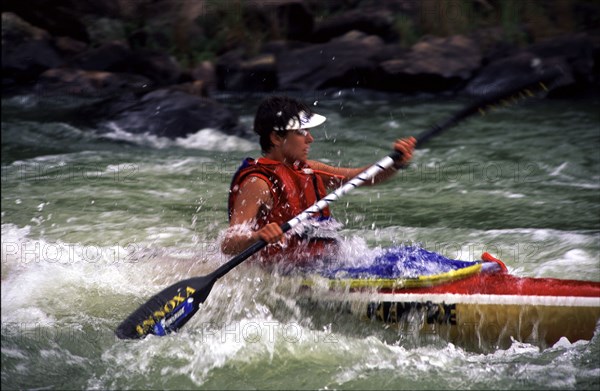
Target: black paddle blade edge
pixel 537 86
pixel 168 310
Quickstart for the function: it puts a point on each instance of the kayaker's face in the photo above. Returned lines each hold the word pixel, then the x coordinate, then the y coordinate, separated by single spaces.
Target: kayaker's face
pixel 296 145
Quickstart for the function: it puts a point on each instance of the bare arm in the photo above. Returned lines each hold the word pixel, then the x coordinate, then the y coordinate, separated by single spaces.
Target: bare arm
pixel 341 175
pixel 253 195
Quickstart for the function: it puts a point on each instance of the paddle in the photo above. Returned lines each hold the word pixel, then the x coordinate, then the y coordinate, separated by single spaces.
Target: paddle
pixel 174 306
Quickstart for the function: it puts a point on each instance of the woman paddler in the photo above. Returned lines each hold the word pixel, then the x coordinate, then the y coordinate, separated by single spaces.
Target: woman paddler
pixel 275 188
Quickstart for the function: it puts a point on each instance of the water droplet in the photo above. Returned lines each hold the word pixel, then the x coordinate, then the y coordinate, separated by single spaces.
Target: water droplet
pixel 315 103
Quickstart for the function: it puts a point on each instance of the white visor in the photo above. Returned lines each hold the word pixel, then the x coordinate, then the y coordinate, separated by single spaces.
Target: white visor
pixel 306 121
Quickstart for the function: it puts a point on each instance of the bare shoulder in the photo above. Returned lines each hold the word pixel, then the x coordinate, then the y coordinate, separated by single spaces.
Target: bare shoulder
pixel 254 186
pixel 251 197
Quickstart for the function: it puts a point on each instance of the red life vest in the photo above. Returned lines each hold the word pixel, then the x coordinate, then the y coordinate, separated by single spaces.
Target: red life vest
pixel 293 190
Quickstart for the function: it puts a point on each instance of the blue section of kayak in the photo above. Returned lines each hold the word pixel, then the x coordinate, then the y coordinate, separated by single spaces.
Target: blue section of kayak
pixel 400 262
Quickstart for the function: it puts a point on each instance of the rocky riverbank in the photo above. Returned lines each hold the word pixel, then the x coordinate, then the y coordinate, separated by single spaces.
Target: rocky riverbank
pixel 138 85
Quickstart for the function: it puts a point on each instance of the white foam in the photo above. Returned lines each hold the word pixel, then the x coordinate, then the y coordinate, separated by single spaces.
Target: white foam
pixel 213 140
pixel 204 139
pixel 558 169
pixel 574 258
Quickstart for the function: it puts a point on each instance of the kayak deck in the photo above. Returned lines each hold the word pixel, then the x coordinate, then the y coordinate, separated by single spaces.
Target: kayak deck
pixel 482 308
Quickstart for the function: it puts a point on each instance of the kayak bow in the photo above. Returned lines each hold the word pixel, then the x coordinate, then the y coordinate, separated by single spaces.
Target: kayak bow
pixel 485 307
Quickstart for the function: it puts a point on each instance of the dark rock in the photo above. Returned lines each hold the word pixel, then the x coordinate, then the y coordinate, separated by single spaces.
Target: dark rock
pixel 196 87
pixel 173 114
pixel 118 57
pixel 206 73
pixel 255 74
pixel 292 17
pixel 347 61
pixel 280 46
pixel 509 73
pixel 69 47
pixel 27 51
pixel 78 82
pixel 378 22
pixel 576 50
pixel 390 52
pixel 357 48
pixel 568 61
pixel 157 66
pixel 433 65
pixel 143 38
pixel 58 17
pixel 102 29
pixel 109 57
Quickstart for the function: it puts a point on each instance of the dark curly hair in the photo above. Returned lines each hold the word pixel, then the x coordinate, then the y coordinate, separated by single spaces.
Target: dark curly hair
pixel 273 114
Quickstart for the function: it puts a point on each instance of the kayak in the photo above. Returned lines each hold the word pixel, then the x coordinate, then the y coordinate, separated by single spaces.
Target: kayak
pixel 474 304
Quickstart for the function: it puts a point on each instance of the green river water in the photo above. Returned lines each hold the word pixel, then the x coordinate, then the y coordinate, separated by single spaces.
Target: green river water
pixel 94 224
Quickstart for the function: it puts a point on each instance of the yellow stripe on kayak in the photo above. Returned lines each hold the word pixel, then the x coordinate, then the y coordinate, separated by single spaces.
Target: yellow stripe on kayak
pixel 401 283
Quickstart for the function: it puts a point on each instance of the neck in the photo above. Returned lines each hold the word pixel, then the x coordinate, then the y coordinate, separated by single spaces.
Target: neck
pixel 275 155
pixel 279 157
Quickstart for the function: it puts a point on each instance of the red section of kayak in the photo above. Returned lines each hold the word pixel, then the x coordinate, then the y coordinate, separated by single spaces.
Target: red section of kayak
pixel 506 284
